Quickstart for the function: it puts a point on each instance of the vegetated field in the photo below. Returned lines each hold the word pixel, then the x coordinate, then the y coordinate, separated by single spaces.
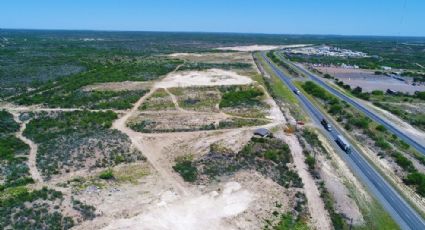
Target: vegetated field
pixel 411 109
pixel 21 208
pixel 244 101
pixel 13 154
pixel 268 156
pixel 375 136
pixel 69 141
pixel 68 92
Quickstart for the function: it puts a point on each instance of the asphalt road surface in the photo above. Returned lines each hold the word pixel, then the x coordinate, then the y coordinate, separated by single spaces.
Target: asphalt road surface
pixel 399 133
pixel 392 202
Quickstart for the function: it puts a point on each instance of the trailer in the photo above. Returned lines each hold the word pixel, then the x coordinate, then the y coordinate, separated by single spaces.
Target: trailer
pixel 343 143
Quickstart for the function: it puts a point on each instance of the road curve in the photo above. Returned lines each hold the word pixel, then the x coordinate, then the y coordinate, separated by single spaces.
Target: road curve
pixel 393 203
pixel 418 146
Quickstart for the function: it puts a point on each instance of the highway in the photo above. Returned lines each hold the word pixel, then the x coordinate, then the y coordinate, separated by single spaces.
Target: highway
pixel 393 203
pixel 399 133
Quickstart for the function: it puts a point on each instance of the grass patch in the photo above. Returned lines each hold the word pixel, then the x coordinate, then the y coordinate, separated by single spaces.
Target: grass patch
pixel 130 173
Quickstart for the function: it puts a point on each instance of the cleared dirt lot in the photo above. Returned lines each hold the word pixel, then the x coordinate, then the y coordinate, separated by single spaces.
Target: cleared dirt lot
pixel 203 78
pixel 368 81
pixel 260 47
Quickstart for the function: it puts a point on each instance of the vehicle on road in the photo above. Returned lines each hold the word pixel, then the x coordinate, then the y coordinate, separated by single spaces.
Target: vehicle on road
pixel 326 124
pixel 343 143
pixel 296 91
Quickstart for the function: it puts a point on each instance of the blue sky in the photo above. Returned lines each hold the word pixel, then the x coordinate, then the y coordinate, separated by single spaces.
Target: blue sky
pixel 346 17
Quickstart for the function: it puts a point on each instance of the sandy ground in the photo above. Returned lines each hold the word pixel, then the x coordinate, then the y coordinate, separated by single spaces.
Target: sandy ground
pixel 260 47
pixel 192 213
pixel 35 174
pixel 209 77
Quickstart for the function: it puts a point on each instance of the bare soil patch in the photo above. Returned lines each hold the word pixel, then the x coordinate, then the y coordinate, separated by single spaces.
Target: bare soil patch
pixel 260 47
pixel 118 86
pixel 203 78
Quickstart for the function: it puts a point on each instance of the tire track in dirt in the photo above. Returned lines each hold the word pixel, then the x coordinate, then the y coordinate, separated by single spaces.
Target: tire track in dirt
pixel 175 101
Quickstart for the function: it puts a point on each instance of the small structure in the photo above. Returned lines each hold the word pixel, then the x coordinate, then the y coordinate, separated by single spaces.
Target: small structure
pixel 262 132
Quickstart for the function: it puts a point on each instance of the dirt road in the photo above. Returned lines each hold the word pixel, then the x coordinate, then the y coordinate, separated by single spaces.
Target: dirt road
pixel 32 158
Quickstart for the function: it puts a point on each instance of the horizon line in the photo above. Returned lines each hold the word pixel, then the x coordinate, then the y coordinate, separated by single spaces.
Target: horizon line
pixel 213 32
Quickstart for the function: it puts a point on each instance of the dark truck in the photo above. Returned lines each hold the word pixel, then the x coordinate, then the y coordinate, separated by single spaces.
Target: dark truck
pixel 326 124
pixel 340 140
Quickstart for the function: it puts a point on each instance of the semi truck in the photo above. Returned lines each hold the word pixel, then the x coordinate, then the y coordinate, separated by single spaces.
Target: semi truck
pixel 343 143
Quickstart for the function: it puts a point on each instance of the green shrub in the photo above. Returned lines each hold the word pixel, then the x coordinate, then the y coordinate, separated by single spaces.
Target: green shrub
pixel 378 92
pixel 186 168
pixel 240 97
pixel 403 162
pixel 7 123
pixel 360 122
pixel 287 221
pixel 380 142
pixel 416 179
pixel 106 175
pixel 310 161
pixel 381 128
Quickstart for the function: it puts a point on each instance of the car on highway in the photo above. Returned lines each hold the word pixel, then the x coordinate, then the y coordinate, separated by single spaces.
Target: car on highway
pixel 325 124
pixel 296 91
